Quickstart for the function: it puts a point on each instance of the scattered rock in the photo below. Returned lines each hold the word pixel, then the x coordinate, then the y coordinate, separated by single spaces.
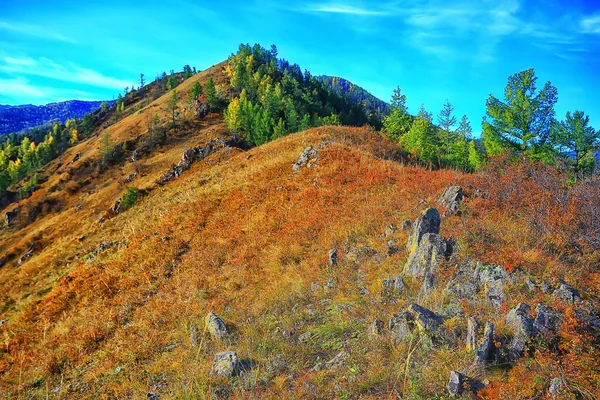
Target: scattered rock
pixel 566 293
pixel 277 364
pixel 486 347
pixel 81 238
pixel 335 363
pixel 391 248
pixel 391 287
pixel 472 326
pixel 27 255
pixel 332 257
pixel 414 318
pixel 547 320
pixel 76 158
pixel 225 364
pixel 522 327
pixel 131 177
pixel 216 326
pixel 399 327
pixel 492 278
pixel 390 229
pixel 451 199
pixel 455 384
pixel 305 337
pixel 530 284
pixel 424 259
pixel 545 287
pixel 2 322
pixel 116 209
pixel 556 387
pixel 306 159
pixel 314 286
pixel 428 222
pixel 11 217
pixel 406 225
pixel 375 328
pixel 330 285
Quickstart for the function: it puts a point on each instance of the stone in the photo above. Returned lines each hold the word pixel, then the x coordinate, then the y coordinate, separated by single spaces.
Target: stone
pixel 522 328
pixel 428 222
pixel 486 347
pixel 530 284
pixel 547 320
pixel 472 326
pixel 406 225
pixel 556 387
pixel 225 364
pixel 277 364
pixel 545 287
pixel 425 319
pixel 391 248
pixel 390 229
pixel 305 337
pixel 492 278
pixel 399 327
pixel 2 322
pixel 430 282
pixel 391 287
pixel 451 199
pixel 27 255
pixel 332 257
pixel 455 383
pixel 429 252
pixel 566 293
pixel 306 159
pixel 335 363
pixel 11 217
pixel 216 327
pixel 414 318
pixel 375 328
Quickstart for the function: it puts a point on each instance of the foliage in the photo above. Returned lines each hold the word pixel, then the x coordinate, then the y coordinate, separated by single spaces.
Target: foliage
pixel 129 198
pixel 574 138
pixel 172 107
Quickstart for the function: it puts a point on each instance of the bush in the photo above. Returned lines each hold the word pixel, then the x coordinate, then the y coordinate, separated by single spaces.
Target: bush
pixel 130 198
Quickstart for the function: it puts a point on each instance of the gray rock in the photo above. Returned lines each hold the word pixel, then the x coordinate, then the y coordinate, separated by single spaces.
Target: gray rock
pixel 335 363
pixel 530 284
pixel 566 293
pixel 430 282
pixel 305 337
pixel 194 339
pixel 392 287
pixel 216 326
pixel 390 229
pixel 4 321
pixel 451 199
pixel 428 222
pixel 556 386
pixel 277 364
pixel 375 328
pixel 430 251
pixel 472 326
pixel 455 384
pixel 486 347
pixel 332 257
pixel 547 320
pixel 314 286
pixel 425 319
pixel 545 287
pixel 307 158
pixel 11 217
pixel 492 278
pixel 415 318
pixel 391 248
pixel 406 226
pixel 399 327
pixel 330 285
pixel 225 364
pixel 521 327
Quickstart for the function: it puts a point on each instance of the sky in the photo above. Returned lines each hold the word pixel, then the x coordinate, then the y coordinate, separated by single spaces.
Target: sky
pixel 434 50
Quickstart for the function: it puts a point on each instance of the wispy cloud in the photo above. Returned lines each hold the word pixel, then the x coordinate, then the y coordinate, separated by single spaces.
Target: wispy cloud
pixel 43 67
pixel 22 90
pixel 590 24
pixel 340 8
pixel 36 31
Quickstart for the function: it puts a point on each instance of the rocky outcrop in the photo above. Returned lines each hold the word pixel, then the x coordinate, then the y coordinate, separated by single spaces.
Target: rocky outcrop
pixel 521 327
pixel 415 318
pixel 225 364
pixel 335 363
pixel 375 328
pixel 451 199
pixel 566 293
pixel 216 327
pixel 428 253
pixel 486 347
pixel 332 257
pixel 306 159
pixel 472 326
pixel 11 217
pixel 456 383
pixel 547 320
pixel 391 288
pixel 428 222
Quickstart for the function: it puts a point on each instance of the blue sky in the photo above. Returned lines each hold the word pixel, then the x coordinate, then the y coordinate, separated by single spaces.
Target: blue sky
pixel 433 49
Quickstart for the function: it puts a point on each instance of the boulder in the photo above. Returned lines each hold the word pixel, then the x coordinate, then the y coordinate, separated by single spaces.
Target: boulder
pixel 428 222
pixel 451 199
pixel 391 287
pixel 547 320
pixel 332 257
pixel 522 328
pixel 216 327
pixel 430 250
pixel 399 327
pixel 455 383
pixel 406 225
pixel 375 328
pixel 557 386
pixel 415 318
pixel 306 159
pixel 492 278
pixel 391 248
pixel 11 217
pixel 486 347
pixel 530 284
pixel 335 363
pixel 566 293
pixel 225 364
pixel 472 326
pixel 425 319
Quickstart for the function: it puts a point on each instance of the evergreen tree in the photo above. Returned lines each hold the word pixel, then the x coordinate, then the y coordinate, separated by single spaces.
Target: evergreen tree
pixel 577 141
pixel 172 106
pixel 211 94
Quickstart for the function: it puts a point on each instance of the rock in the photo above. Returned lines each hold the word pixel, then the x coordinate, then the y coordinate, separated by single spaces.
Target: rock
pixel 451 199
pixel 330 285
pixel 225 364
pixel 556 387
pixel 547 320
pixel 472 326
pixel 522 328
pixel 455 384
pixel 131 177
pixel 390 230
pixel 399 327
pixel 492 278
pixel 486 347
pixel 277 364
pixel 305 337
pixel 2 322
pixel 314 286
pixel 391 287
pixel 430 282
pixel 545 287
pixel 332 257
pixel 430 250
pixel 530 284
pixel 335 363
pixel 76 158
pixel 375 328
pixel 27 255
pixel 307 158
pixel 216 326
pixel 116 209
pixel 414 318
pixel 425 319
pixel 428 222
pixel 11 217
pixel 566 293
pixel 391 248
pixel 406 225
pixel 201 110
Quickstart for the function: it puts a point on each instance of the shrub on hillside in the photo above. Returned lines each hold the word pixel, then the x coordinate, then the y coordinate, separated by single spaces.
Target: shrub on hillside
pixel 130 198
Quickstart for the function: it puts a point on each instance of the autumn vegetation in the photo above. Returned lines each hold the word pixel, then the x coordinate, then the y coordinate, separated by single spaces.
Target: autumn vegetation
pixel 112 305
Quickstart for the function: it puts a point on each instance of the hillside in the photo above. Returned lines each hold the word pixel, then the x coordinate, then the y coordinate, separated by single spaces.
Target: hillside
pixel 320 253
pixel 18 118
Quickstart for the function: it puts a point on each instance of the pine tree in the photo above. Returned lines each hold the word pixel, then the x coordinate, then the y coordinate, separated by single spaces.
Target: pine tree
pixel 172 106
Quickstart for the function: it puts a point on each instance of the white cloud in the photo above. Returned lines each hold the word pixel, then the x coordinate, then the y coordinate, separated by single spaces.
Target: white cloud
pixel 590 24
pixel 338 8
pixel 21 90
pixel 34 31
pixel 43 67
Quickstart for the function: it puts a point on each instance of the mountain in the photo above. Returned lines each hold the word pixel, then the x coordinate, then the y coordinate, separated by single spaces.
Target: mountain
pixel 18 118
pixel 163 256
pixel 356 94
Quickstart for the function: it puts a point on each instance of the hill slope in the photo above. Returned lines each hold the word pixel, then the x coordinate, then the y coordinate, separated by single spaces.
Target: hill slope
pixel 104 304
pixel 18 118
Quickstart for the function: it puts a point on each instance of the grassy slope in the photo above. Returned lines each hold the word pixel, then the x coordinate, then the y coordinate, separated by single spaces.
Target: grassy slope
pixel 244 236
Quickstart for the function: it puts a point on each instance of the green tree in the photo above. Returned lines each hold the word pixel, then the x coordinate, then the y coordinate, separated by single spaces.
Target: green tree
pixel 172 106
pixel 475 156
pixel 446 120
pixel 422 140
pixel 211 94
pixel 523 120
pixel 576 140
pixel 195 91
pixel 106 147
pixel 88 125
pixel 142 81
pixel 399 121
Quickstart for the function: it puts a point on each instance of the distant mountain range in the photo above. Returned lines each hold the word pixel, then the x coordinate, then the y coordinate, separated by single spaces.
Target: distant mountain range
pixel 356 94
pixel 23 117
